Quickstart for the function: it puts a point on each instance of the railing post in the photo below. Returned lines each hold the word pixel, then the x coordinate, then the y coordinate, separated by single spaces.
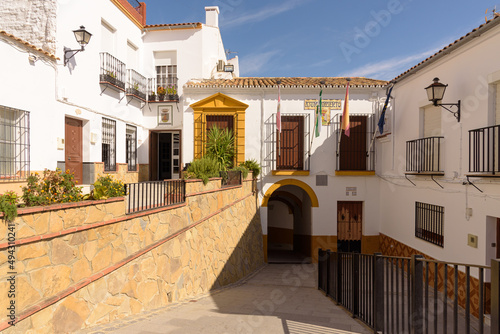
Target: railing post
pixel 319 268
pixel 339 278
pixel 327 259
pixel 355 283
pixel 495 296
pixel 378 292
pixel 417 311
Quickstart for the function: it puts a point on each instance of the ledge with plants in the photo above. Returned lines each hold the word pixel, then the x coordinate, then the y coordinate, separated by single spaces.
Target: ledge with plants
pixel 57 190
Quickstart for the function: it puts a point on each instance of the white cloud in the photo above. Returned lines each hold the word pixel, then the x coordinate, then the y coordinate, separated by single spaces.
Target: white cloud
pixel 388 69
pixel 255 62
pixel 264 13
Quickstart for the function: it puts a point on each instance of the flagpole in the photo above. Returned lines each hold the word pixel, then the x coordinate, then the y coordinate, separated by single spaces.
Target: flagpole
pixel 382 114
pixel 345 113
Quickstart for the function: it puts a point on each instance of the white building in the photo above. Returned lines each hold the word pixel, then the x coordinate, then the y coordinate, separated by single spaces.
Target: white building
pixel 92 113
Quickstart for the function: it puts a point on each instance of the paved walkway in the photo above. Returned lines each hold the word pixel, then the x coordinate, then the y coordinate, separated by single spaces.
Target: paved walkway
pixel 279 298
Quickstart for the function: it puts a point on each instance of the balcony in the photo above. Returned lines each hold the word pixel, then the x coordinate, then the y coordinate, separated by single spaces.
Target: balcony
pixel 170 86
pixel 423 156
pixel 356 153
pixel 484 151
pixel 112 73
pixel 136 85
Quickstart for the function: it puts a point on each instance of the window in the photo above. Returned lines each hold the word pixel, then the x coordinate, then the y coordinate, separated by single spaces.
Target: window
pixel 166 76
pixel 107 38
pixel 14 143
pixel 131 146
pixel 356 152
pixel 432 121
pixel 429 220
pixel 290 146
pixel 109 144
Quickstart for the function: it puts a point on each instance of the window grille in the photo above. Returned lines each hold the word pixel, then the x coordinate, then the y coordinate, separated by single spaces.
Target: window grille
pixel 429 220
pixel 131 145
pixel 14 143
pixel 166 76
pixel 109 144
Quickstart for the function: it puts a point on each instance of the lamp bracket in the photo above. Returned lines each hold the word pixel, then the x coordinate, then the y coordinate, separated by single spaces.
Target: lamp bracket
pixel 75 51
pixel 455 113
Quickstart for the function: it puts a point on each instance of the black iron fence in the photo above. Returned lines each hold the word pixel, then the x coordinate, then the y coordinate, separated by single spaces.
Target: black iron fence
pixel 231 178
pixel 411 295
pixel 484 150
pixel 154 194
pixel 424 155
pixel 112 71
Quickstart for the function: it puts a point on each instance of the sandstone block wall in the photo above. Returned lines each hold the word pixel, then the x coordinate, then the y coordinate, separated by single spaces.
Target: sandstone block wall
pixel 33 21
pixel 80 265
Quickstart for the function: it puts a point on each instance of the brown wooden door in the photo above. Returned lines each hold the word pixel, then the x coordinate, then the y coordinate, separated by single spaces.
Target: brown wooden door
pixel 73 148
pixel 353 148
pixel 498 238
pixel 290 146
pixel 349 226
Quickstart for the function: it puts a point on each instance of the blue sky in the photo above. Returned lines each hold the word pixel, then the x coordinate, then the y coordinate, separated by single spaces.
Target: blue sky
pixel 316 38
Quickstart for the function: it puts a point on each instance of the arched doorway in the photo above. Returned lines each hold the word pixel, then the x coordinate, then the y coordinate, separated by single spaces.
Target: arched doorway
pixel 289 221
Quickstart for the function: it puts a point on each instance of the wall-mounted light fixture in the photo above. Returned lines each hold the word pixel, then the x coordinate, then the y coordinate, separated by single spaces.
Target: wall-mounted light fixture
pixel 435 93
pixel 82 37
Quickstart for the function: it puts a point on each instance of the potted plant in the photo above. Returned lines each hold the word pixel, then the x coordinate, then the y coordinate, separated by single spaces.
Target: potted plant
pixel 161 93
pixel 152 96
pixel 172 93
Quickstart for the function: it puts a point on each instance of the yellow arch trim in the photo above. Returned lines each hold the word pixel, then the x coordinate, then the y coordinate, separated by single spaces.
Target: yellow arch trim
pixel 293 182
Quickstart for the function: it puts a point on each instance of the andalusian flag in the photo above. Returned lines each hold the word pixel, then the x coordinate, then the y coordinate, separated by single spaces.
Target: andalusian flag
pixel 345 114
pixel 319 118
pixel 381 121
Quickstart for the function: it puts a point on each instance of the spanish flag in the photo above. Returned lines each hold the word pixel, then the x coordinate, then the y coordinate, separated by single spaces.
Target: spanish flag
pixel 345 114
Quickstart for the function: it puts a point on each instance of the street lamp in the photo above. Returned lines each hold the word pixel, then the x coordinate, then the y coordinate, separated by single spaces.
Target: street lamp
pixel 435 93
pixel 82 37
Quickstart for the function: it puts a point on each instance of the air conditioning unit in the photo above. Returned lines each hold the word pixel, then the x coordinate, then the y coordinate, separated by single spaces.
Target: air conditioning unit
pixel 220 66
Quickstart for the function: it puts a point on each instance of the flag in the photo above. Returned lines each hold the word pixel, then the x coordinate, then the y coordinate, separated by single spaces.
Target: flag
pixel 278 113
pixel 381 121
pixel 319 118
pixel 345 114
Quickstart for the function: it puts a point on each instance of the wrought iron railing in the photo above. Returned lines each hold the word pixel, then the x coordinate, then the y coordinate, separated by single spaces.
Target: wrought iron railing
pixel 136 84
pixel 356 151
pixel 231 178
pixel 424 155
pixel 154 194
pixel 112 71
pixel 410 295
pixel 170 86
pixel 484 150
pixel 135 4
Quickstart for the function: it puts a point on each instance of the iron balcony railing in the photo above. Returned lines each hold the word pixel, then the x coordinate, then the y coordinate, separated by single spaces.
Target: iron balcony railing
pixel 411 295
pixel 170 86
pixel 424 155
pixel 355 152
pixel 112 71
pixel 135 4
pixel 136 84
pixel 149 195
pixel 484 150
pixel 289 150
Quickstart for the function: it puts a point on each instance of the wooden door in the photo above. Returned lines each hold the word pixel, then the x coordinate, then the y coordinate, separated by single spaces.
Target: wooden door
pixel 221 121
pixel 349 226
pixel 73 148
pixel 290 146
pixel 498 238
pixel 353 148
pixel 153 156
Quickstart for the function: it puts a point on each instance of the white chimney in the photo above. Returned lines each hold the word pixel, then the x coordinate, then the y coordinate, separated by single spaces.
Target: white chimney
pixel 212 16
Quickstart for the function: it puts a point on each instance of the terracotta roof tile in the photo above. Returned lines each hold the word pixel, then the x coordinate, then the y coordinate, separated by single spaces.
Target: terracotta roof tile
pixel 174 25
pixel 29 45
pixel 301 82
pixel 453 45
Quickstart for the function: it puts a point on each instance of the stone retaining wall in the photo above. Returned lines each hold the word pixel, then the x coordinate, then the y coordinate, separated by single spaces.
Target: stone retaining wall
pixel 83 264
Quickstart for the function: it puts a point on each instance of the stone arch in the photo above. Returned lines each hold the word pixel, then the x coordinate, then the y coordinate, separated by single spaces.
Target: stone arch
pixel 304 186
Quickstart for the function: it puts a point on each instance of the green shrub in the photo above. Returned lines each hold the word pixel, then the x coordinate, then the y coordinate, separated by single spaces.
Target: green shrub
pixel 244 171
pixel 203 169
pixel 106 187
pixel 252 165
pixel 8 205
pixel 52 187
pixel 220 146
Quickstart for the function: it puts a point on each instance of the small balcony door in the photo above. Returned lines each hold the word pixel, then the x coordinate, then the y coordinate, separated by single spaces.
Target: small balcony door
pixel 353 148
pixel 290 146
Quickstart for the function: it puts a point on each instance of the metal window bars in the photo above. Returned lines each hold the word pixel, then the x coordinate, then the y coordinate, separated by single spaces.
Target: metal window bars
pixel 424 155
pixel 429 220
pixel 109 144
pixel 131 146
pixel 14 143
pixel 484 150
pixel 165 82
